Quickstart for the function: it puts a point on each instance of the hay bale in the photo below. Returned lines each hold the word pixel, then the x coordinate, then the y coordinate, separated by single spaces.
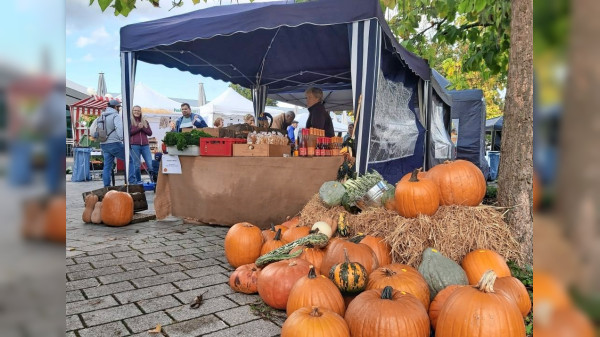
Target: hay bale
pixel 453 230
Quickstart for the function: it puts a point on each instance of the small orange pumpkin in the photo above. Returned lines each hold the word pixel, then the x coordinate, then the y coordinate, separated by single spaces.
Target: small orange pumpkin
pixel 293 222
pixel 403 278
pixel 269 234
pixel 382 249
pixel 417 196
pixel 358 252
pixel 477 262
pixel 273 244
pixel 295 233
pixel 313 255
pixel 117 208
pixel 515 290
pixel 315 290
pixel 244 279
pixel 276 280
pixel 56 219
pixel 315 322
pixel 242 244
pixel 438 302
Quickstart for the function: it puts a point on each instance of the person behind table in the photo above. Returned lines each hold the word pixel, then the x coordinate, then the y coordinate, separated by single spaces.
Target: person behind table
pixel 138 139
pixel 218 123
pixel 350 131
pixel 291 131
pixel 318 116
pixel 283 120
pixel 113 146
pixel 188 119
pixel 249 119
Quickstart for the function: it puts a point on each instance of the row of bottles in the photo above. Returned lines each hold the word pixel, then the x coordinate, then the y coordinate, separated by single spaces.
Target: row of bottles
pixel 310 146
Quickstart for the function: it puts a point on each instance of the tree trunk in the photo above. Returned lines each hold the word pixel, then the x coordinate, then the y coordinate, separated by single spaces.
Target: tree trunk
pixel 578 196
pixel 515 173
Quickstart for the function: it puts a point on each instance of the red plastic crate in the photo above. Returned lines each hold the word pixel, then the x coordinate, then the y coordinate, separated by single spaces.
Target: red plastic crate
pixel 218 147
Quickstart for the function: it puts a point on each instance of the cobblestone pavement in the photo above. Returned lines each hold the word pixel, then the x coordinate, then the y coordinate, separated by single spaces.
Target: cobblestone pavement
pixel 124 281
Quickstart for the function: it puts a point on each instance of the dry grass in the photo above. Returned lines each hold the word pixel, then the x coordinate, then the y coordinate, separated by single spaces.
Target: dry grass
pixel 453 230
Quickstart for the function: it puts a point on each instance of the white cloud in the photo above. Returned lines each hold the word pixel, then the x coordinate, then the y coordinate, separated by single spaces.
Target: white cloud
pixel 98 36
pixel 88 58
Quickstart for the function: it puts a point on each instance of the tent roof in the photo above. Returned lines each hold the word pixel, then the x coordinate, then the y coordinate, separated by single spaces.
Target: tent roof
pixel 154 102
pixel 278 44
pixel 94 102
pixel 232 103
pixel 495 123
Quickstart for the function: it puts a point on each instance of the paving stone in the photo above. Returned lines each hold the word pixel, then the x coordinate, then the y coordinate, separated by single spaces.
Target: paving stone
pixel 196 327
pixel 159 303
pixel 209 255
pixel 141 265
pixel 243 299
pixel 69 334
pixel 159 279
pixel 115 262
pixel 180 252
pixel 208 306
pixel 179 259
pixel 211 291
pixel 154 256
pixel 146 293
pixel 93 258
pixel 69 262
pixel 213 248
pixel 73 323
pixel 148 322
pixel 113 329
pixel 110 247
pixel 79 267
pixel 127 275
pixel 178 242
pixel 237 315
pixel 205 271
pixel 110 314
pixel 200 263
pixel 156 250
pixel 108 289
pixel 146 246
pixel 94 273
pixel 227 267
pixel 90 305
pixel 201 282
pixel 81 284
pixel 75 295
pixel 260 328
pixel 74 253
pixel 126 253
pixel 168 268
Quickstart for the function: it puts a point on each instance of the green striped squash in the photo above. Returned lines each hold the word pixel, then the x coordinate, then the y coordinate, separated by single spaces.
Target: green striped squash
pixel 349 277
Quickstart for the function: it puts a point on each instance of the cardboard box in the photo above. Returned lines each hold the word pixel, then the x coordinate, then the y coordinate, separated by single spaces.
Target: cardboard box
pixel 211 131
pixel 260 150
pixel 219 132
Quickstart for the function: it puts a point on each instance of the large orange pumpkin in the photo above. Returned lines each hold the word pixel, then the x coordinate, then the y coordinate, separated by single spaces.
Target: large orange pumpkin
pixel 357 252
pixel 314 322
pixel 403 278
pixel 438 303
pixel 416 196
pixel 382 249
pixel 480 312
pixel 315 290
pixel 569 322
pixel 313 255
pixel 244 279
pixel 276 280
pixel 387 312
pixel 460 183
pixel 515 290
pixel 272 244
pixel 117 208
pixel 477 262
pixel 242 244
pixel 295 233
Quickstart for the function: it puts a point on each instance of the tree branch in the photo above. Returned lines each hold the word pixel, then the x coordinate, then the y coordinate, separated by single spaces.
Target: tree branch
pixel 435 24
pixel 475 24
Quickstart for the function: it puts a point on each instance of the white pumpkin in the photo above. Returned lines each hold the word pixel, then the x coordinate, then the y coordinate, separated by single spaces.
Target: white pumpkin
pixel 323 227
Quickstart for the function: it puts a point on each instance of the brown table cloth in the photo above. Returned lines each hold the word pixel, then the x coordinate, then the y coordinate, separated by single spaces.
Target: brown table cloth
pixel 228 190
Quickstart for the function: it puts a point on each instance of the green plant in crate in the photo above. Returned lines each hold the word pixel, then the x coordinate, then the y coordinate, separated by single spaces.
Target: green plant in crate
pixel 184 139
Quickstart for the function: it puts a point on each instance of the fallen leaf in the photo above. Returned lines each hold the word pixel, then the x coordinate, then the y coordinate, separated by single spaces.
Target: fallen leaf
pixel 70 249
pixel 151 261
pixel 111 239
pixel 158 329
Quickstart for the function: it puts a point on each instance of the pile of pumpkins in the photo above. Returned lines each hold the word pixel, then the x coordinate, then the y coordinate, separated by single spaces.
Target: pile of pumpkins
pixel 457 182
pixel 115 209
pixel 352 288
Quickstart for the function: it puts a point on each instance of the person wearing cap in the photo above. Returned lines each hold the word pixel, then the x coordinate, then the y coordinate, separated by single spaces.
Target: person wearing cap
pixel 282 121
pixel 188 119
pixel 291 131
pixel 113 146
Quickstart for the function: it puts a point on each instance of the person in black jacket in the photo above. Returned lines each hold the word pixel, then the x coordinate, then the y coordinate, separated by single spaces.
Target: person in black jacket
pixel 318 116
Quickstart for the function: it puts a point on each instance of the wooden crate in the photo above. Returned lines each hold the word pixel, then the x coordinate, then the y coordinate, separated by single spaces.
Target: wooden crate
pixel 136 191
pixel 219 132
pixel 260 150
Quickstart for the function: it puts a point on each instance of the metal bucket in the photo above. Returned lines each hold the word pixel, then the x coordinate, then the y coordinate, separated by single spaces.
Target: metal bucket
pixel 373 196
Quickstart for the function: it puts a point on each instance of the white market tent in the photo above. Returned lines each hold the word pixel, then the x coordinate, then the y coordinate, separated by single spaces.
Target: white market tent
pixel 232 107
pixel 154 103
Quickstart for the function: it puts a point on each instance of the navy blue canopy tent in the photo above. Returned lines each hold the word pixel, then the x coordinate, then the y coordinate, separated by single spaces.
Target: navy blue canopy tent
pixel 494 127
pixel 281 48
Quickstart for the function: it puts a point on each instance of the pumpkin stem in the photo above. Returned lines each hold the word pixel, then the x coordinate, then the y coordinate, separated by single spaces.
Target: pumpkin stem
pixel 357 238
pixel 346 255
pixel 272 227
pixel 388 272
pixel 387 292
pixel 486 283
pixel 311 272
pixel 315 312
pixel 277 235
pixel 413 176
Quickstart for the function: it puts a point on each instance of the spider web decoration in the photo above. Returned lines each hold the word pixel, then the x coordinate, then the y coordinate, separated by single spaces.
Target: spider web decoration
pixel 394 130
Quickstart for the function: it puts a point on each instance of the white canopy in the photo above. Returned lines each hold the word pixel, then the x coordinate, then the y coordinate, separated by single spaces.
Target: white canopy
pixel 156 104
pixel 232 107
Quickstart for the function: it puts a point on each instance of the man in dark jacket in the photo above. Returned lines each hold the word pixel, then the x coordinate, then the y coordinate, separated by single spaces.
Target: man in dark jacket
pixel 318 116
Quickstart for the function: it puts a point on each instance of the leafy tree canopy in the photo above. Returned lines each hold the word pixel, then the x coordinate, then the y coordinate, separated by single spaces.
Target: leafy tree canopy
pixel 248 93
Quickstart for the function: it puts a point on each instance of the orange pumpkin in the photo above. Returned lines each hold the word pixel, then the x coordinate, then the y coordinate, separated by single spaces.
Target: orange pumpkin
pixel 563 322
pixel 313 255
pixel 295 233
pixel 117 208
pixel 269 234
pixel 416 196
pixel 420 175
pixel 460 183
pixel 315 290
pixel 438 303
pixel 273 244
pixel 56 220
pixel 403 278
pixel 549 291
pixel 90 202
pixel 276 280
pixel 314 322
pixel 357 252
pixel 382 249
pixel 387 312
pixel 477 262
pixel 245 278
pixel 480 312
pixel 293 222
pixel 515 290
pixel 242 244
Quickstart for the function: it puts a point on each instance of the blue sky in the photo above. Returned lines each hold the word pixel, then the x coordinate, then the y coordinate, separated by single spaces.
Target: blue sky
pixel 92 46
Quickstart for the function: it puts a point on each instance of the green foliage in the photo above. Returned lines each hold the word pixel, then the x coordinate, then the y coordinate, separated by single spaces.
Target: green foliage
pixel 248 93
pixel 184 139
pixel 491 192
pixel 525 275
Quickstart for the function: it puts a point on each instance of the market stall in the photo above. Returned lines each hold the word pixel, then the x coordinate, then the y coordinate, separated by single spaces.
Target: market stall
pixel 90 106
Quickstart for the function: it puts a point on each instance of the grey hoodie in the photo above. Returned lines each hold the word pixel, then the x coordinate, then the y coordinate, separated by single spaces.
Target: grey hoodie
pixel 113 121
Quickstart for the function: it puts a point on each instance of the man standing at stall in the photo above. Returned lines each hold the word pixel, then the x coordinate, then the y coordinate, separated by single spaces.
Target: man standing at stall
pixel 282 121
pixel 318 116
pixel 188 119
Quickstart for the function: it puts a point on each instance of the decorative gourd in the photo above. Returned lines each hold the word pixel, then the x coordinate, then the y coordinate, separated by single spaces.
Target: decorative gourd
pixel 244 279
pixel 438 302
pixel 349 277
pixel 273 244
pixel 440 272
pixel 90 202
pixel 293 222
pixel 460 183
pixel 416 196
pixel 480 312
pixel 315 240
pixel 403 278
pixel 382 249
pixel 117 208
pixel 269 234
pixel 477 262
pixel 314 322
pixel 55 227
pixel 315 290
pixel 242 244
pixel 276 280
pixel 358 252
pixel 96 216
pixel 322 227
pixel 331 193
pixel 295 233
pixel 388 200
pixel 515 290
pixel 387 312
pixel 311 254
pixel 342 225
